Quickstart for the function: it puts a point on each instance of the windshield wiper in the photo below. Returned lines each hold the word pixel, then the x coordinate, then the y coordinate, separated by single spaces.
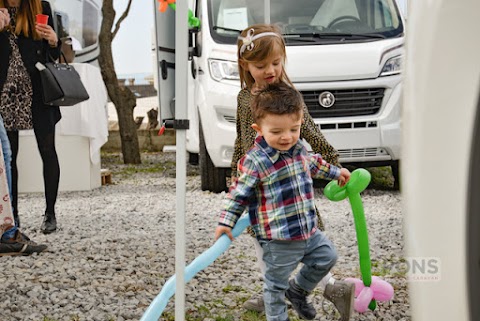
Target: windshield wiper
pixel 349 35
pixel 309 37
pixel 298 37
pixel 226 29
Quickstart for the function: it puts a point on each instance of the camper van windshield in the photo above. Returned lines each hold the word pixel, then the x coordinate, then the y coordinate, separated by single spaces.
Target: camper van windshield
pixel 308 21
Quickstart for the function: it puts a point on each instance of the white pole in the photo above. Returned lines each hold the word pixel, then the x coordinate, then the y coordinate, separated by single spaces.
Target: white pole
pixel 267 11
pixel 156 64
pixel 181 82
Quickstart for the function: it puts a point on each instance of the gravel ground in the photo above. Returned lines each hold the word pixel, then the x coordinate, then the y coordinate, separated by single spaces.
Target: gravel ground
pixel 114 250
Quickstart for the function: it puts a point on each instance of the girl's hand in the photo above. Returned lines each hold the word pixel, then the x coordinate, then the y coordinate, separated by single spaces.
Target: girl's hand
pixel 4 18
pixel 47 33
pixel 344 177
pixel 220 230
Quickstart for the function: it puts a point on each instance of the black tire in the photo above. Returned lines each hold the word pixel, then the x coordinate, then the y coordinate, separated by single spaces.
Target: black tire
pixel 396 175
pixel 212 178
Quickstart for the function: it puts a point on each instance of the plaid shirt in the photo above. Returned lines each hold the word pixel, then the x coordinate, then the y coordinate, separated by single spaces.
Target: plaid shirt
pixel 277 189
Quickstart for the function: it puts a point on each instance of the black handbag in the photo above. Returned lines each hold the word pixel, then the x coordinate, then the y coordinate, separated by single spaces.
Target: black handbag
pixel 62 85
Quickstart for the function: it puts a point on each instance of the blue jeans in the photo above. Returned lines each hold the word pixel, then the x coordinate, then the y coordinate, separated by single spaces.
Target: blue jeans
pixel 7 158
pixel 282 257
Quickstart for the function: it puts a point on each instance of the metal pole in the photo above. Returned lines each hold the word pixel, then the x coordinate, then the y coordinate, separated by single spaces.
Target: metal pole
pixel 181 100
pixel 267 11
pixel 157 57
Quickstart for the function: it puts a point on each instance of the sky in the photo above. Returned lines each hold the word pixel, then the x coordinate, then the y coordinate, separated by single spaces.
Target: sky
pixel 132 45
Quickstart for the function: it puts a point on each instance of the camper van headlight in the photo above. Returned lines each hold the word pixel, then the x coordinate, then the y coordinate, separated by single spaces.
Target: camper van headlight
pixel 223 70
pixel 393 66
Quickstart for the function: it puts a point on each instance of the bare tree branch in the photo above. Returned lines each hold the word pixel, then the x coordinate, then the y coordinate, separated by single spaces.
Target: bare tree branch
pixel 122 17
pixel 121 96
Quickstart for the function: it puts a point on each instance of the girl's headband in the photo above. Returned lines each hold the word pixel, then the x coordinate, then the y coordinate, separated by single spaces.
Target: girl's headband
pixel 247 42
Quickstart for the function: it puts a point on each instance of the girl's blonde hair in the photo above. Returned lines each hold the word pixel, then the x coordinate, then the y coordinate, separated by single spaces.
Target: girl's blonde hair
pixel 25 20
pixel 263 47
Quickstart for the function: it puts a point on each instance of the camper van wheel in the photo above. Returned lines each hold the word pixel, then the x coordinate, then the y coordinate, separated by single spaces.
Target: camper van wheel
pixel 212 178
pixel 396 174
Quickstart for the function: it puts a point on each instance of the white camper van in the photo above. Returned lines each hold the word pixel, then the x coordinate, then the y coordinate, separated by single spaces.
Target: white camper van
pixel 81 20
pixel 441 185
pixel 347 50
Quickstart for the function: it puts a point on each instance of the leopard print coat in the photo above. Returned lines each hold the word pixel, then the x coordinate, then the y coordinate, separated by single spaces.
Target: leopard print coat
pixel 17 91
pixel 246 137
pixel 32 51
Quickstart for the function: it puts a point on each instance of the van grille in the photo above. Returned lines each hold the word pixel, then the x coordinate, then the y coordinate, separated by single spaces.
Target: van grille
pixel 348 102
pixel 361 152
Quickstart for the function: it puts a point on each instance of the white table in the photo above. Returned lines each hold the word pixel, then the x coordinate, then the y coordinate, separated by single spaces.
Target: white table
pixel 80 134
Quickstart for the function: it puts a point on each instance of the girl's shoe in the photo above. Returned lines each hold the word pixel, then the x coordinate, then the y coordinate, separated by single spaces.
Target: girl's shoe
pixel 255 303
pixel 341 294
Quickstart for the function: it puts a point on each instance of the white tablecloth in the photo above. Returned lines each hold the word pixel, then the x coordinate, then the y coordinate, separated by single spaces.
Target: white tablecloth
pixel 89 118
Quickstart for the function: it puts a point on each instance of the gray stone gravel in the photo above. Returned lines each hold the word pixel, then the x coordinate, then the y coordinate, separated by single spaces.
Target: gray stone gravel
pixel 115 249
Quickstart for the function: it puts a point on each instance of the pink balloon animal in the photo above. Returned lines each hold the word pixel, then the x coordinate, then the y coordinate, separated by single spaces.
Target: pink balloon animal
pixel 378 290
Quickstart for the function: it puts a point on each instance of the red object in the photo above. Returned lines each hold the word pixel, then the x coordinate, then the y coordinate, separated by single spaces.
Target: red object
pixel 161 131
pixel 164 4
pixel 42 19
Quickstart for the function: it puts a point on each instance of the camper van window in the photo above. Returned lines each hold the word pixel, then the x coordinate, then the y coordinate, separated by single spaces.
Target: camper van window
pixel 90 24
pixel 62 24
pixel 308 21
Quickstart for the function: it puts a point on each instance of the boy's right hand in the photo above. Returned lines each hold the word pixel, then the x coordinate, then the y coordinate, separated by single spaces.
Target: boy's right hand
pixel 221 229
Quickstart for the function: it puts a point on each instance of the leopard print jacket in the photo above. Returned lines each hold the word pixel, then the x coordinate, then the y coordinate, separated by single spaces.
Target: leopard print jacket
pixel 17 91
pixel 246 137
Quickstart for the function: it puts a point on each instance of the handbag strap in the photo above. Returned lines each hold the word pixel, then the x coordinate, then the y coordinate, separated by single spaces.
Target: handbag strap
pixel 48 55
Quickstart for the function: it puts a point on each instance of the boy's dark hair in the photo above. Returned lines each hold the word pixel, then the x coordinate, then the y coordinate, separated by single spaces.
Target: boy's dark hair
pixel 277 99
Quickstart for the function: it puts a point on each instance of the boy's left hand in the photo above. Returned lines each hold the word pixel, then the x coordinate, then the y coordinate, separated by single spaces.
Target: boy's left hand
pixel 344 177
pixel 220 230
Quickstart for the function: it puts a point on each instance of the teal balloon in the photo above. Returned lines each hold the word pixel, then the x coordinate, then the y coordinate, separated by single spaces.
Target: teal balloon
pixel 155 310
pixel 359 180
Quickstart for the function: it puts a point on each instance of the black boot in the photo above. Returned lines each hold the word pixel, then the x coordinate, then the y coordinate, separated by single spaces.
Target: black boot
pixel 49 224
pixel 298 298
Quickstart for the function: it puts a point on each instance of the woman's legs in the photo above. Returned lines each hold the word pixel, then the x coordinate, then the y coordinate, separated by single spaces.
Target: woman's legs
pixel 7 155
pixel 13 242
pixel 8 231
pixel 13 138
pixel 51 177
pixel 51 168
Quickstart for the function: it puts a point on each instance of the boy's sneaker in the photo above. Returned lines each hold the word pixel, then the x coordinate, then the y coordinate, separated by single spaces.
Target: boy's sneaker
pixel 298 298
pixel 20 245
pixel 255 303
pixel 341 294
